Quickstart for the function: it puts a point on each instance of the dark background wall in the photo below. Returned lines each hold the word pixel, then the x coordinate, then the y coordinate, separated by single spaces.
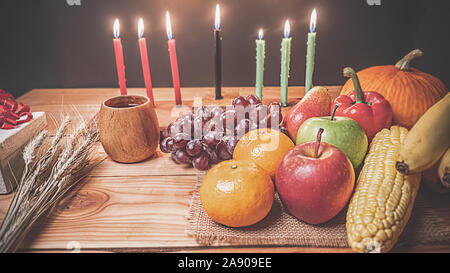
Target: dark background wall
pixel 50 44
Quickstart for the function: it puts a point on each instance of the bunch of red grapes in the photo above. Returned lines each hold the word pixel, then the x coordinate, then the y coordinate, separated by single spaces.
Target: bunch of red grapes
pixel 209 134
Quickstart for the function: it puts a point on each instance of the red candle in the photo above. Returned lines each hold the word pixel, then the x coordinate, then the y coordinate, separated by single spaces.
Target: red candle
pixel 118 50
pixel 173 61
pixel 144 61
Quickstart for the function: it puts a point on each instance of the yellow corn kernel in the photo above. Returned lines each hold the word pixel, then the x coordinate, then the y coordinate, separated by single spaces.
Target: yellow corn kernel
pixel 383 199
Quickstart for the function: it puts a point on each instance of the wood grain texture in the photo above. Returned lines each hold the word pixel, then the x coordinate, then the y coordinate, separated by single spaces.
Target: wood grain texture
pixel 86 103
pixel 138 207
pixel 118 212
pixel 158 165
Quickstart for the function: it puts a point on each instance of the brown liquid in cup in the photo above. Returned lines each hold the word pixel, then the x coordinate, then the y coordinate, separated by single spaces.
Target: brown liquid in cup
pixel 126 102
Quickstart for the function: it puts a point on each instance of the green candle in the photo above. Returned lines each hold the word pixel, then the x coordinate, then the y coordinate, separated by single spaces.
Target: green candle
pixel 260 55
pixel 285 60
pixel 311 52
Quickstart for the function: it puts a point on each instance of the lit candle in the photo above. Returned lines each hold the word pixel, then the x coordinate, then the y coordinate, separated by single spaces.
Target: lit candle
pixel 118 50
pixel 218 56
pixel 285 60
pixel 311 51
pixel 144 60
pixel 260 55
pixel 173 61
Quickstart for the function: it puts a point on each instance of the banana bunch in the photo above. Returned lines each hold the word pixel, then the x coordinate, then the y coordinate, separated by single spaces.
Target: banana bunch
pixel 426 146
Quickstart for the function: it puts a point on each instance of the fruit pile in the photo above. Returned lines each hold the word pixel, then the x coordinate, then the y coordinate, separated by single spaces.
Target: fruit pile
pixel 240 192
pixel 208 135
pixel 315 176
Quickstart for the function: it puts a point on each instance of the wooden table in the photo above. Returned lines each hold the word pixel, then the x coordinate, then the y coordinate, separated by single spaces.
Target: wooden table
pixel 137 207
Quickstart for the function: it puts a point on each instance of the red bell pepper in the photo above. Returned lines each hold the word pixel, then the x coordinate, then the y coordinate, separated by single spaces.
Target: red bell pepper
pixel 370 109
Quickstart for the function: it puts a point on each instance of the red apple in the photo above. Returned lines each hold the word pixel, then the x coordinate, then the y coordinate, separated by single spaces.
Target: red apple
pixel 315 181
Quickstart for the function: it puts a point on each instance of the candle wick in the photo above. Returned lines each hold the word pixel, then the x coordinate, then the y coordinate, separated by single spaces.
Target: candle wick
pixel 116 28
pixel 312 24
pixel 168 26
pixel 287 29
pixel 260 34
pixel 217 18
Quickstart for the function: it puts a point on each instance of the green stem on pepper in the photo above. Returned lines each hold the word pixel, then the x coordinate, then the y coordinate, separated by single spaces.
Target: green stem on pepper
pixel 351 73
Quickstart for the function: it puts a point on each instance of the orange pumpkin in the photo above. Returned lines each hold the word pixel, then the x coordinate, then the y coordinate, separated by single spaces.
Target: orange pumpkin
pixel 409 91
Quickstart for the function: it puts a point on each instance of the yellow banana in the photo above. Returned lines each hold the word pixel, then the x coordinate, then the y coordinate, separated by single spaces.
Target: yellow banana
pixel 428 139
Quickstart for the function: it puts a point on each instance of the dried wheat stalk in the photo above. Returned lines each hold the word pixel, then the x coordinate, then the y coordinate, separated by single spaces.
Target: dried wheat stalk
pixel 53 165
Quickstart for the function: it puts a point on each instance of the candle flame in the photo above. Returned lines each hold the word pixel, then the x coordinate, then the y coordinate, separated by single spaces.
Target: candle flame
pixel 312 23
pixel 217 19
pixel 260 34
pixel 287 29
pixel 168 26
pixel 116 28
pixel 140 28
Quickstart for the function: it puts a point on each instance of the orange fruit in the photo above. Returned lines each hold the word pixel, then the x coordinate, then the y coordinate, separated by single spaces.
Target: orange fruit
pixel 265 147
pixel 237 193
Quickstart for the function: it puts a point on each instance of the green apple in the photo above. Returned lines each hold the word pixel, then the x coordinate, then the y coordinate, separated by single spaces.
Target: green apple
pixel 342 132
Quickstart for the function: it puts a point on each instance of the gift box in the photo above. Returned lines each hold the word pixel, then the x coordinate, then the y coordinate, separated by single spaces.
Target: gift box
pixel 12 142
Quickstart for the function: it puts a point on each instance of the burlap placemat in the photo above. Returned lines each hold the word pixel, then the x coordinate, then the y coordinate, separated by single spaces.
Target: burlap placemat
pixel 427 225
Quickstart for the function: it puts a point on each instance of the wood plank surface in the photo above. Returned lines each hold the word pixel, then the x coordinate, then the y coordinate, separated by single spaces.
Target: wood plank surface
pixel 143 206
pixel 118 212
pixel 86 103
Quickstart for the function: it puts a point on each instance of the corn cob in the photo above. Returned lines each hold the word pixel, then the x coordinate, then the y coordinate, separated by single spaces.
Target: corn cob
pixel 383 199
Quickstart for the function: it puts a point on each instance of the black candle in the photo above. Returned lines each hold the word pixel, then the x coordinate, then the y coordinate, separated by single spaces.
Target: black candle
pixel 218 54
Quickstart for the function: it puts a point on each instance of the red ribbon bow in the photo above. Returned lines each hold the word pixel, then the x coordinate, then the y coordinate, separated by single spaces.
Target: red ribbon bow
pixel 11 112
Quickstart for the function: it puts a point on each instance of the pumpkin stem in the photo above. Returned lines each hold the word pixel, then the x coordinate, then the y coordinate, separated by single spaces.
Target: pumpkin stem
pixel 404 63
pixel 351 73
